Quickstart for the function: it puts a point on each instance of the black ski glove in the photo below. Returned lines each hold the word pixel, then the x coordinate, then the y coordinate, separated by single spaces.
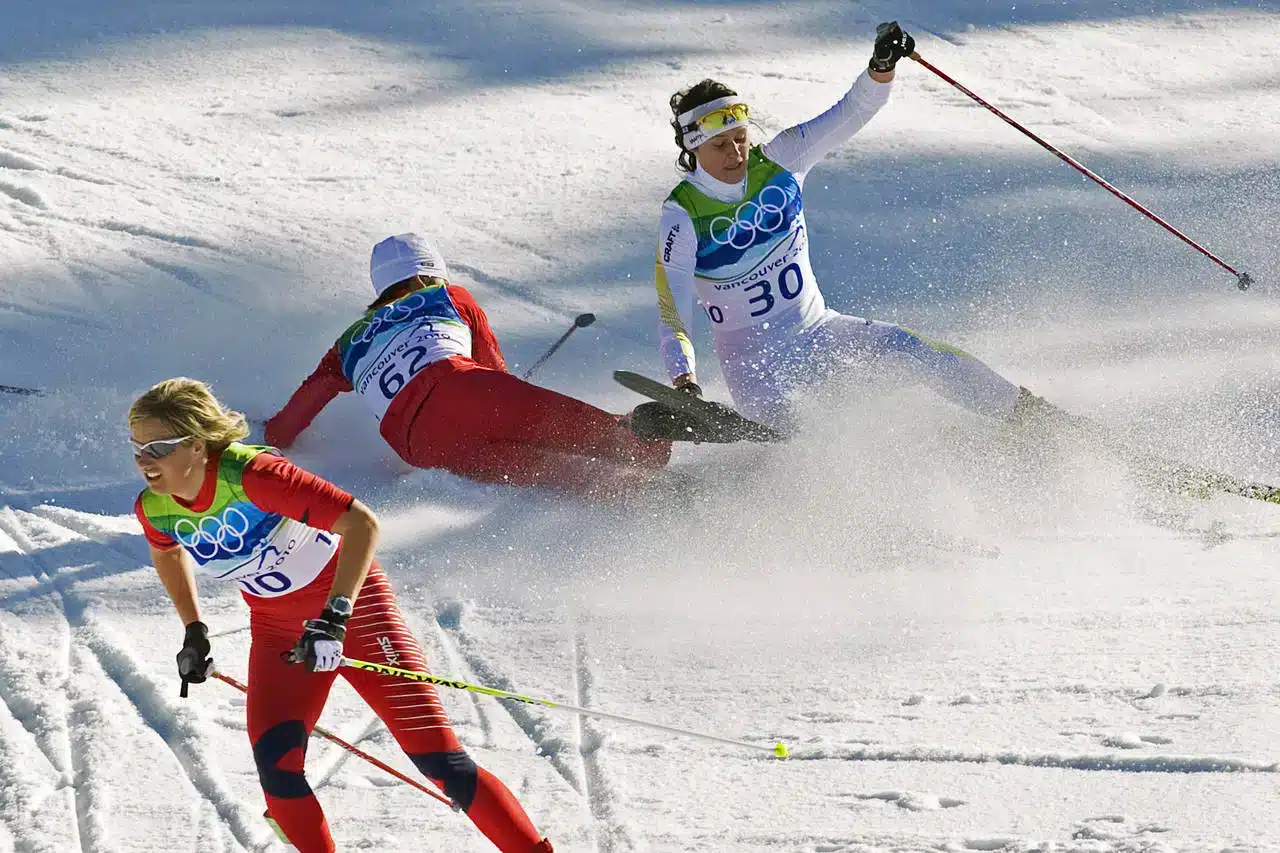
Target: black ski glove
pixel 892 44
pixel 320 646
pixel 194 663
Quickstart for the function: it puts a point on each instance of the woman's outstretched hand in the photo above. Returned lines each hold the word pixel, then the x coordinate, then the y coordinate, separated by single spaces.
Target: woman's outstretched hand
pixel 892 43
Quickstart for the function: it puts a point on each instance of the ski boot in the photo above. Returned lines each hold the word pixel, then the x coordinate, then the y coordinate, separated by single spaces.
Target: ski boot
pixel 710 422
pixel 656 422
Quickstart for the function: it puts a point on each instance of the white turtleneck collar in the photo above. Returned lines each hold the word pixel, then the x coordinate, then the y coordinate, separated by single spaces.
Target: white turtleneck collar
pixel 717 189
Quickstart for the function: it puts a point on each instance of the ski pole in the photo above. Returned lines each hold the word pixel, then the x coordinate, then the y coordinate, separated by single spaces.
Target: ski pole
pixel 332 738
pixel 579 322
pixel 779 749
pixel 1243 279
pixel 15 389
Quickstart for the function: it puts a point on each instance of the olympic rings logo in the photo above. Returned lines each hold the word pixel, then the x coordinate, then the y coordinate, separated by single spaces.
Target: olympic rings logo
pixel 213 533
pixel 760 214
pixel 396 312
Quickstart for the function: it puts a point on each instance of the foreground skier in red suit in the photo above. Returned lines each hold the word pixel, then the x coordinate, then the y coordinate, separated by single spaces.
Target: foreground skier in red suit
pixel 301 550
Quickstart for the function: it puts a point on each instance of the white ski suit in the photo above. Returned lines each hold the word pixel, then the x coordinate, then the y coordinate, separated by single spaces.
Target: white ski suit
pixel 742 251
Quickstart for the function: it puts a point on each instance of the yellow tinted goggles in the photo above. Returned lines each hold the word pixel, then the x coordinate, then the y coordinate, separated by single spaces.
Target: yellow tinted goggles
pixel 719 119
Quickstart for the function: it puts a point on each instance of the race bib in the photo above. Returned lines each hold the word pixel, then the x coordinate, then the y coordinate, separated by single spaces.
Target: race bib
pixel 402 354
pixel 289 558
pixel 779 286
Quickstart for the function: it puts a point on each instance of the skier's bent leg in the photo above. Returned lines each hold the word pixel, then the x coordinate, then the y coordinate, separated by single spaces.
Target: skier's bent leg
pixel 950 371
pixel 519 463
pixel 279 755
pixel 491 406
pixel 527 465
pixel 489 803
pixel 413 713
pixel 283 705
pixel 454 772
pixel 960 376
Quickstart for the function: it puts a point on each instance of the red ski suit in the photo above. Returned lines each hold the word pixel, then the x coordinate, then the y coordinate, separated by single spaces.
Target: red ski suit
pixel 285 700
pixel 468 415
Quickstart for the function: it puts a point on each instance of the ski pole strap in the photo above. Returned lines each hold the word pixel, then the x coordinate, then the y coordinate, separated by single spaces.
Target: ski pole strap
pixel 779 750
pixel 1243 279
pixel 332 738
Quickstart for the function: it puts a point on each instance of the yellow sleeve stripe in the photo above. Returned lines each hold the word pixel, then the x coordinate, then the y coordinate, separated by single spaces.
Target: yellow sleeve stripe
pixel 669 313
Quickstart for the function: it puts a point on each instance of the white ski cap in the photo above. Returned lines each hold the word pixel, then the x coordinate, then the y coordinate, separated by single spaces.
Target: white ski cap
pixel 404 256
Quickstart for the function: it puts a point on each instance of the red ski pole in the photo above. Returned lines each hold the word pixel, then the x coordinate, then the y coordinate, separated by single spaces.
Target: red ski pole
pixel 332 738
pixel 1243 279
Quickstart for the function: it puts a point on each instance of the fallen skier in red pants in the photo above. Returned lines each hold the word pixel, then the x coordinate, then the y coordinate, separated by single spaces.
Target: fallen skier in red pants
pixel 425 361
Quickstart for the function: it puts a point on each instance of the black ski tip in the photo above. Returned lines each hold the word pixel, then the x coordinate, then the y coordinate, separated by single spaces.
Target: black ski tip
pixel 584 320
pixel 1244 280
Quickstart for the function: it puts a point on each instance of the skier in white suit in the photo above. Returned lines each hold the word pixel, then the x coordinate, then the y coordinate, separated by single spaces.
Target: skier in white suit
pixel 733 238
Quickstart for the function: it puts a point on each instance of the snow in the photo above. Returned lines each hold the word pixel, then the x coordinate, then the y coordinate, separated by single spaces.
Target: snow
pixel 968 640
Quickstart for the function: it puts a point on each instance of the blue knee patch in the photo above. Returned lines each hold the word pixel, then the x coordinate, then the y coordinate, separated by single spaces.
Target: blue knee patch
pixel 456 772
pixel 275 743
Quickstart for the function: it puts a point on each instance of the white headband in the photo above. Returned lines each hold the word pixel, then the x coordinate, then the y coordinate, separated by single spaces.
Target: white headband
pixel 695 136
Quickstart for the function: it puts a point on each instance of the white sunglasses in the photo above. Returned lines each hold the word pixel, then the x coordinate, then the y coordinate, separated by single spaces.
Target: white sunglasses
pixel 158 449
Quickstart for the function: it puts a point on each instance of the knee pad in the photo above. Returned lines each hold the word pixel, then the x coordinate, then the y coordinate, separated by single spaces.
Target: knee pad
pixel 456 772
pixel 270 749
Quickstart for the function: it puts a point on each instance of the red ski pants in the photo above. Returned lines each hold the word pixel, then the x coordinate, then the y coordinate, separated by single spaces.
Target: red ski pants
pixel 285 701
pixel 495 427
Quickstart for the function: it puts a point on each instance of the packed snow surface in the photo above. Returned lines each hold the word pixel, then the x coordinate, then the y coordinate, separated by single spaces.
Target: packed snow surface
pixel 969 640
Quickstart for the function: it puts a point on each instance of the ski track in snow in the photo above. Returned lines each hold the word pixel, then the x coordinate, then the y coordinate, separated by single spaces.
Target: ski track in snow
pixel 182 275
pixel 120 537
pixel 79 527
pixel 30 127
pixel 479 670
pixel 63 727
pixel 321 774
pixel 526 293
pixel 23 195
pixel 58 746
pixel 1065 761
pixel 455 662
pixel 614 835
pixel 57 316
pixel 133 230
pixel 590 777
pixel 66 725
pixel 17 162
pixel 25 788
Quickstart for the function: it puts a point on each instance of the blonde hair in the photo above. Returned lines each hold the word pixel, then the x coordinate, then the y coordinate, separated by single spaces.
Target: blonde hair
pixel 188 407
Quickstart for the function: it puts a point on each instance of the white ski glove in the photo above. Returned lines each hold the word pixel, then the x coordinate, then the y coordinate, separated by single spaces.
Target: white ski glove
pixel 320 646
